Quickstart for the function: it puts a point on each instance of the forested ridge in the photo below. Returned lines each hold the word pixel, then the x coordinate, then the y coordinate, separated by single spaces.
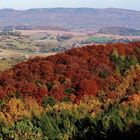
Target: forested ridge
pixel 92 92
pixel 82 19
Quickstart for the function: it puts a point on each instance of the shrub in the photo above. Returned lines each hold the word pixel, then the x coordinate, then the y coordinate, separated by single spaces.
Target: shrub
pixel 69 91
pixel 48 101
pixel 103 74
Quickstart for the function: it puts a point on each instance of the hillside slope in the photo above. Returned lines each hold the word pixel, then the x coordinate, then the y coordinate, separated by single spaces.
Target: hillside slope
pixel 71 18
pixel 91 92
pixel 120 31
pixel 76 72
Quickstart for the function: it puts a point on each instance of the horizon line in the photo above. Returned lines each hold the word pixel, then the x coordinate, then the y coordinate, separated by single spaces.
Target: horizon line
pixel 67 8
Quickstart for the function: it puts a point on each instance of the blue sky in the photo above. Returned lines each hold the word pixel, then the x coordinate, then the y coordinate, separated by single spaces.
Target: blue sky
pixel 26 4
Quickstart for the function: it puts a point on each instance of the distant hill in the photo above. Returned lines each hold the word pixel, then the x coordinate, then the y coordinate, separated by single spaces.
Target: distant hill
pixel 71 18
pixel 120 31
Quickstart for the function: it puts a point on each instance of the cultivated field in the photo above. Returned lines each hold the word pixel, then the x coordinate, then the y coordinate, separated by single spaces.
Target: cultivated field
pixel 20 45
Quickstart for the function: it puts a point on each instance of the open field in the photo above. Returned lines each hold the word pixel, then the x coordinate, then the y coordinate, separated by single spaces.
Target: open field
pixel 54 32
pixel 20 45
pixel 119 36
pixel 11 53
pixel 75 34
pixel 8 58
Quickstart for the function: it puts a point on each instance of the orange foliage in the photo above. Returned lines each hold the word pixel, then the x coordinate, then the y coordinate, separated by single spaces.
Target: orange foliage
pixel 80 71
pixel 88 87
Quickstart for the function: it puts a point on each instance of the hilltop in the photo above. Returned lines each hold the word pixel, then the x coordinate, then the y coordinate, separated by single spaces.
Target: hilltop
pixel 70 18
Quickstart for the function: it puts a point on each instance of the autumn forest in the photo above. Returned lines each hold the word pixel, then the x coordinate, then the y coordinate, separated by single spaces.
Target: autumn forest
pixel 86 93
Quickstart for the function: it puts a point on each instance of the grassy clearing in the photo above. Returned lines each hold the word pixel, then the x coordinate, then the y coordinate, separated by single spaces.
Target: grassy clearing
pixel 99 39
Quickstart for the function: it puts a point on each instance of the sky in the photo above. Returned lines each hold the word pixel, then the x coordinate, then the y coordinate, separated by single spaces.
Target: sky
pixel 27 4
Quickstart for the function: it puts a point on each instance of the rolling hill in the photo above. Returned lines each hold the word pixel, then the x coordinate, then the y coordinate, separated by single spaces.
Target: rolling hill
pixel 71 18
pixel 120 31
pixel 91 92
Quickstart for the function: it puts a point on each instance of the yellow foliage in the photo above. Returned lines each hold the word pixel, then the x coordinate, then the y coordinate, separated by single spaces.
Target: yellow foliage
pixel 2 118
pixel 88 105
pixel 16 109
pixel 91 105
pixel 135 101
pixel 9 119
pixel 127 81
pixel 33 108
